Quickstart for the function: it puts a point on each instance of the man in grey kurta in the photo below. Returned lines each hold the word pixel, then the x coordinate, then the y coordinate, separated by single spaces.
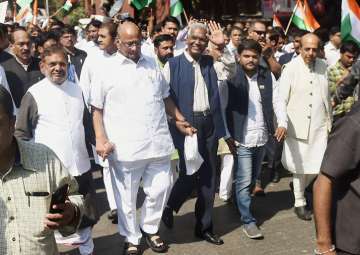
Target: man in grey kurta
pixel 29 174
pixel 304 87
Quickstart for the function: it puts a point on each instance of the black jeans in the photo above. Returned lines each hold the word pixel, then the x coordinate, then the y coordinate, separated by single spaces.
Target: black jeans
pixel 203 180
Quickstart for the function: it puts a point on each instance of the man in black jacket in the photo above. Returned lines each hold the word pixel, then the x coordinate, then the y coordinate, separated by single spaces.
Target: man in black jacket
pixel 76 57
pixel 22 70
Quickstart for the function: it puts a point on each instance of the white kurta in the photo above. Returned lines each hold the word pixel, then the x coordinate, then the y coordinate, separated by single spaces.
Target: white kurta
pixel 309 153
pixel 304 156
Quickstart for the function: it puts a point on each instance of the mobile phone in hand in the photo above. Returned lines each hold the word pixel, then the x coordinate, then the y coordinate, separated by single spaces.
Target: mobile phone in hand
pixel 59 197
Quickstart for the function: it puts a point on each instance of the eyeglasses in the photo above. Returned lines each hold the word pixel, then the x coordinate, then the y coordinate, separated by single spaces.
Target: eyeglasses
pixel 131 44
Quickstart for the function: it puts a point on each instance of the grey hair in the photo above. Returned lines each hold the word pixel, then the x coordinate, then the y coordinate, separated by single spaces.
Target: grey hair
pixel 196 26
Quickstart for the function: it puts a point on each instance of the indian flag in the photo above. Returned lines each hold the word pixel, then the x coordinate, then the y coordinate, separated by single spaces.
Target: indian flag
pixel 67 5
pixel 350 21
pixel 176 8
pixel 303 18
pixel 276 22
pixel 140 4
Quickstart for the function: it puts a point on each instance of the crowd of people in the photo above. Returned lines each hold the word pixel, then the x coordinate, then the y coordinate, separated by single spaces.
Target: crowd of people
pixel 158 108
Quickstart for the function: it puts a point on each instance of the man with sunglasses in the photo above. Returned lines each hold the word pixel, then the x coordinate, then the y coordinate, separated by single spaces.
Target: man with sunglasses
pixel 257 32
pixel 130 122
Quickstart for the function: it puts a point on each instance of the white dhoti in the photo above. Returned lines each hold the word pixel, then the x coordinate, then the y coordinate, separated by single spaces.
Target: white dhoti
pixel 304 157
pixel 157 179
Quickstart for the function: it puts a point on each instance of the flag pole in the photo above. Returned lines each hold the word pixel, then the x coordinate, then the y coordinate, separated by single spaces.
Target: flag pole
pixel 292 15
pixel 35 12
pixel 47 8
pixel 186 16
pixel 14 10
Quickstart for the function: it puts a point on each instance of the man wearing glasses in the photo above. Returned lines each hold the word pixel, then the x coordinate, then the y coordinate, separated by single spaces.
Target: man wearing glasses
pixel 130 102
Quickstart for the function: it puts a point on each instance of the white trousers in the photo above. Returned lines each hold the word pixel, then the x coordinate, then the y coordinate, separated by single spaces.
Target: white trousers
pixel 157 183
pixel 109 188
pixel 226 177
pixel 300 182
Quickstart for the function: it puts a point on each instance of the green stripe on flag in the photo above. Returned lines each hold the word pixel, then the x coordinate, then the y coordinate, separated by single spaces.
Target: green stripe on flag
pixel 67 6
pixel 176 9
pixel 346 29
pixel 299 22
pixel 140 4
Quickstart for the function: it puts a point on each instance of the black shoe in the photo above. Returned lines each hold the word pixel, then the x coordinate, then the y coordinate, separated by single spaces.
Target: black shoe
pixel 275 177
pixel 168 217
pixel 302 213
pixel 112 214
pixel 210 238
pixel 131 249
pixel 155 242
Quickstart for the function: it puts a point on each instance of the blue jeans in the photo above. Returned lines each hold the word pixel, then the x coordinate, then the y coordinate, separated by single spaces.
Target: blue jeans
pixel 247 168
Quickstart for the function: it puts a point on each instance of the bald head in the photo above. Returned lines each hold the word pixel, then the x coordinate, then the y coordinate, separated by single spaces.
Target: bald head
pixel 310 38
pixel 128 29
pixel 129 40
pixel 309 47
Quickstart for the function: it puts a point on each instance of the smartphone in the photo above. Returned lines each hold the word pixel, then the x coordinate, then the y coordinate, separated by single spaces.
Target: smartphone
pixel 59 197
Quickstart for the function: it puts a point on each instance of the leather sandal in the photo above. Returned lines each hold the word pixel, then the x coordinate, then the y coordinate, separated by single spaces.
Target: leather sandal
pixel 156 243
pixel 131 249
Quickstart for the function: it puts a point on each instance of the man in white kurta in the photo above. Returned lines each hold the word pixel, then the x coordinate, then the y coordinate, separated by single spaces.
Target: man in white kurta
pixel 303 84
pixel 131 129
pixel 51 113
pixel 94 65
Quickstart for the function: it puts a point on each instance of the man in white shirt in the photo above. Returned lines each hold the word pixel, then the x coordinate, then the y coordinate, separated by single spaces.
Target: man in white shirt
pixel 94 65
pixel 253 99
pixel 332 48
pixel 132 132
pixel 52 113
pixel 193 81
pixel 235 40
pixel 164 49
pixel 171 26
pixel 89 44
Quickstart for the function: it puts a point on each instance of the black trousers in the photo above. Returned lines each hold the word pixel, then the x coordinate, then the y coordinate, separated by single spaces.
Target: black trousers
pixel 339 252
pixel 87 189
pixel 203 180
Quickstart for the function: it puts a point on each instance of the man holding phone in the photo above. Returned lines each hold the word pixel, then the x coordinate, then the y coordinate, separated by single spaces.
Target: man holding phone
pixel 53 113
pixel 29 174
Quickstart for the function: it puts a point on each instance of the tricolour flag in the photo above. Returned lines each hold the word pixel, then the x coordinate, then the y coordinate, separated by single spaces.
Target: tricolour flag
pixel 303 18
pixel 140 4
pixel 350 21
pixel 176 8
pixel 23 3
pixel 24 14
pixel 67 6
pixel 276 22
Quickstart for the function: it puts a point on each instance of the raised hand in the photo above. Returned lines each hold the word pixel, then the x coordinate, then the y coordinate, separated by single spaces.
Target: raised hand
pixel 216 33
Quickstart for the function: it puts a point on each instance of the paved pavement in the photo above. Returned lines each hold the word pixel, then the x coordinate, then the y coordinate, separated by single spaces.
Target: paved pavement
pixel 284 232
